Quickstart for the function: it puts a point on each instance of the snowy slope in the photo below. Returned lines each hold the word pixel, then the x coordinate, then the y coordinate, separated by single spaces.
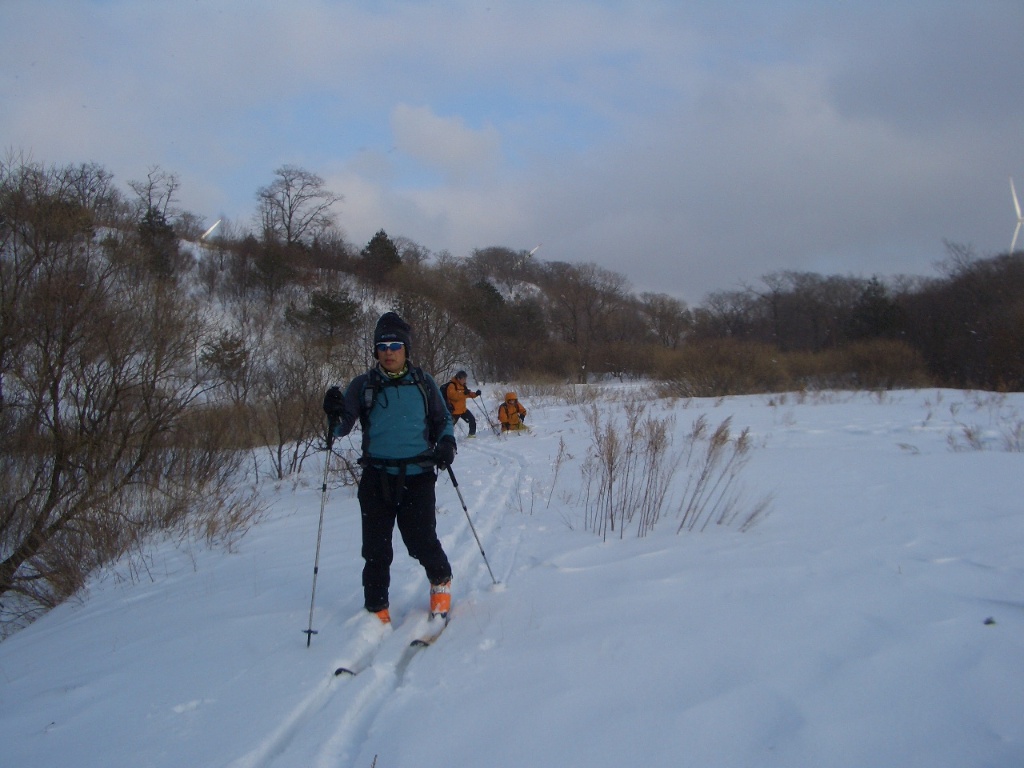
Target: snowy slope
pixel 874 618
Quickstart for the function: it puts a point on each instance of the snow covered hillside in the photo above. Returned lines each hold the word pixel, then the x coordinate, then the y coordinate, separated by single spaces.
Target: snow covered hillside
pixel 874 616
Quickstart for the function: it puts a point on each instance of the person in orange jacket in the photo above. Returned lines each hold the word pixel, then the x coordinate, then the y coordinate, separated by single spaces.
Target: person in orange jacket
pixel 456 393
pixel 511 413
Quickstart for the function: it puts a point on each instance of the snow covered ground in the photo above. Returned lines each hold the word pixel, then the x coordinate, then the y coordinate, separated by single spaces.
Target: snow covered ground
pixel 875 616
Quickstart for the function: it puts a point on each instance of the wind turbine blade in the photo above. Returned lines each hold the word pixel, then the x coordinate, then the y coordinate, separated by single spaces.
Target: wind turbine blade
pixel 206 234
pixel 1015 233
pixel 1016 205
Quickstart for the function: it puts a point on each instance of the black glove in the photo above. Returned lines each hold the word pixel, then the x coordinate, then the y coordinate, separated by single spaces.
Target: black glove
pixel 444 453
pixel 477 393
pixel 522 417
pixel 334 402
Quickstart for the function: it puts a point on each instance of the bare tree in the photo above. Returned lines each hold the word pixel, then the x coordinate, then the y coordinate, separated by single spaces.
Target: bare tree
pixel 157 193
pixel 290 382
pixel 583 300
pixel 668 318
pixel 296 207
pixel 439 340
pixel 410 252
pixel 98 370
pixel 507 268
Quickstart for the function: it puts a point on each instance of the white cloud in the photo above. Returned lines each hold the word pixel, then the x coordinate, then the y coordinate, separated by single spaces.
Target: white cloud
pixel 690 146
pixel 446 144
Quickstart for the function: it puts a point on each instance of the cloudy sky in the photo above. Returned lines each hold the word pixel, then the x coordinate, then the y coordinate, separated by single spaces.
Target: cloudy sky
pixel 691 146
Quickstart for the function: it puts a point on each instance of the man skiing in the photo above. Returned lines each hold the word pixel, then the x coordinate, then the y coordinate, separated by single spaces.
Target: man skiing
pixel 407 433
pixel 456 394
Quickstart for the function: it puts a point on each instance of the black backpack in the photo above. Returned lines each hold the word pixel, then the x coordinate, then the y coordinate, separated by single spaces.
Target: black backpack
pixel 447 400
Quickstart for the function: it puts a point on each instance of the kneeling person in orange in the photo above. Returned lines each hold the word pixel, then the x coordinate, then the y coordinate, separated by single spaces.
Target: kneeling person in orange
pixel 511 413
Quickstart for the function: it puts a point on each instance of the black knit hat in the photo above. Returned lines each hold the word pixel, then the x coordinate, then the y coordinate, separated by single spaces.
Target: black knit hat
pixel 391 327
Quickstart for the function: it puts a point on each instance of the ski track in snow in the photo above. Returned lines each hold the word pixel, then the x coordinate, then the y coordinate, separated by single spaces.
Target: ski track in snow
pixel 331 724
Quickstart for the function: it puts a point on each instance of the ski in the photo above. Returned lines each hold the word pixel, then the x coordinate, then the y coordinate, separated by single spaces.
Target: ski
pixel 367 636
pixel 433 632
pixel 370 637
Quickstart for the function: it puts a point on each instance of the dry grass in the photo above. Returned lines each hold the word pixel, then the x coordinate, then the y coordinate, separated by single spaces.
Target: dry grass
pixel 713 493
pixel 1003 427
pixel 629 473
pixel 730 367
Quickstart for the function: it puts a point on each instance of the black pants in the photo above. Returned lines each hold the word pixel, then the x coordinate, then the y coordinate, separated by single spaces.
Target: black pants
pixel 382 502
pixel 469 419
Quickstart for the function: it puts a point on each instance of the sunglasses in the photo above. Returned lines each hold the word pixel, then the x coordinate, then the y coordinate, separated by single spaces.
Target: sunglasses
pixel 389 346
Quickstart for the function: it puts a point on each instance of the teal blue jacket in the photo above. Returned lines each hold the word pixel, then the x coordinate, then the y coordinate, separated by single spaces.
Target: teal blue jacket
pixel 402 419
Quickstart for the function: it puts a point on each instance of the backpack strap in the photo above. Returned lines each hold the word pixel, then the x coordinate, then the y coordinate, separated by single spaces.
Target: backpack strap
pixel 435 411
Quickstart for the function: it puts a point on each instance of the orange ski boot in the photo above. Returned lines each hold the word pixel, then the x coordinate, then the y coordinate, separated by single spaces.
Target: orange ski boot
pixel 441 600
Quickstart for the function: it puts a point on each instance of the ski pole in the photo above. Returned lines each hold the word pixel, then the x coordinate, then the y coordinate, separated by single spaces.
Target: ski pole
pixel 487 416
pixel 319 535
pixel 471 526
